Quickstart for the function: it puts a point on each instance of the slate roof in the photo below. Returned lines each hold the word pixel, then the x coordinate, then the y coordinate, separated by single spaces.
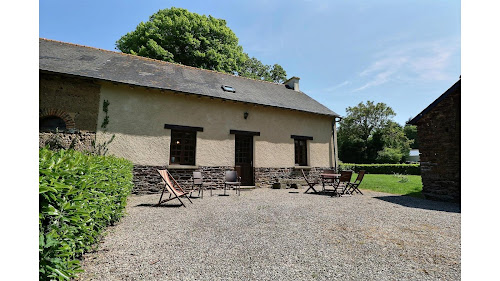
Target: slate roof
pixel 67 58
pixel 452 89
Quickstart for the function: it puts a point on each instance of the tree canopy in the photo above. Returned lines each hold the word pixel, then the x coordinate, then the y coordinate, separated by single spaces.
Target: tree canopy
pixel 177 35
pixel 411 134
pixel 255 69
pixel 368 135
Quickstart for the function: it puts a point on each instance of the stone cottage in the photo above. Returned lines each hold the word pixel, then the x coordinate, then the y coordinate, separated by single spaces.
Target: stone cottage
pixel 185 119
pixel 438 128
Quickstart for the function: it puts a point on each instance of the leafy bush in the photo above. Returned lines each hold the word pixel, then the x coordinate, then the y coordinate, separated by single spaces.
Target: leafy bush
pixel 79 195
pixel 405 169
pixel 389 155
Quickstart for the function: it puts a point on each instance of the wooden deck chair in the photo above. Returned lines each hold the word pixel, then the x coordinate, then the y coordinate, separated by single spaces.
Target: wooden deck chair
pixel 353 186
pixel 342 183
pixel 172 187
pixel 310 182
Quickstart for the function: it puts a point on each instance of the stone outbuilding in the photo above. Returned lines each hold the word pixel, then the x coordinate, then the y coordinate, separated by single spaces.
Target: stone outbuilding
pixel 438 128
pixel 165 115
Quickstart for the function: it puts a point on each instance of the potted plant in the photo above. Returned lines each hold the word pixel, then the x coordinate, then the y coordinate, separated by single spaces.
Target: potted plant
pixel 276 184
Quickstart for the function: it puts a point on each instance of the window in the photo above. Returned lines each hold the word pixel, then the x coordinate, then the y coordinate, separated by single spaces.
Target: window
pixel 183 147
pixel 228 88
pixel 51 123
pixel 300 143
pixel 300 152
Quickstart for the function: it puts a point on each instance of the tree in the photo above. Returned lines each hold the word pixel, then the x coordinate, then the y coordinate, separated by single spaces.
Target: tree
pixel 389 155
pixel 255 69
pixel 368 135
pixel 396 145
pixel 177 35
pixel 411 133
pixel 362 120
pixel 278 74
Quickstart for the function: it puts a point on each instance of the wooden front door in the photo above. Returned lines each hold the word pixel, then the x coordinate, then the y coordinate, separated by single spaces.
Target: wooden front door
pixel 244 158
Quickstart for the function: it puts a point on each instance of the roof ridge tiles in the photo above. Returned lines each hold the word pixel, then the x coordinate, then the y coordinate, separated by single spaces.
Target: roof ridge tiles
pixel 160 61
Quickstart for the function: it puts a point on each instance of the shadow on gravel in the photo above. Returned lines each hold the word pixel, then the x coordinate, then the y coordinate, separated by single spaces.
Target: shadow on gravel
pixel 328 193
pixel 413 202
pixel 159 206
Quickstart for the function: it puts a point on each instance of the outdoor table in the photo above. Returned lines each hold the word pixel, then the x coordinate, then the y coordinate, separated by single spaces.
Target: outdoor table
pixel 332 178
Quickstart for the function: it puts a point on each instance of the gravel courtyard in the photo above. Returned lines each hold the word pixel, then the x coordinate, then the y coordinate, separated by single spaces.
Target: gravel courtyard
pixel 284 234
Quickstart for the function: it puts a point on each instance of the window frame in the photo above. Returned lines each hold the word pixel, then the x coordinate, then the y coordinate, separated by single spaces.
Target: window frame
pixel 300 148
pixel 300 152
pixel 174 129
pixel 187 139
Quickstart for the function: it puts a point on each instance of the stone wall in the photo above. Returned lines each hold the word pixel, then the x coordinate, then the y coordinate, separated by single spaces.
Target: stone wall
pixel 82 140
pixel 265 177
pixel 75 98
pixel 439 138
pixel 147 180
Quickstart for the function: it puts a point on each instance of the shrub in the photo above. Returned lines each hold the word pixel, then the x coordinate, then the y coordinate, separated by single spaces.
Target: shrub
pixel 402 178
pixel 79 195
pixel 389 155
pixel 405 169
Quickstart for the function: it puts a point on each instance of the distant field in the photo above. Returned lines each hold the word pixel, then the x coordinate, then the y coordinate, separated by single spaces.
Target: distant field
pixel 395 184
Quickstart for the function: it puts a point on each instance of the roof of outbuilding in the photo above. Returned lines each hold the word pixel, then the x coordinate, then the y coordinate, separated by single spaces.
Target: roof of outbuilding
pixel 68 58
pixel 452 89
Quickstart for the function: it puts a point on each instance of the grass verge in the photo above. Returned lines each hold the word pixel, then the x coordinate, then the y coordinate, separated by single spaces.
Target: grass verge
pixel 396 184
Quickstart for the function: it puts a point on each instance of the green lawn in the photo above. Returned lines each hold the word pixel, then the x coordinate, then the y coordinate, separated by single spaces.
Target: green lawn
pixel 396 184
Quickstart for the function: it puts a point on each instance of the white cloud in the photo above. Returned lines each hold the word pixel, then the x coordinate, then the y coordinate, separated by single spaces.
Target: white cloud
pixel 328 89
pixel 426 61
pixel 333 88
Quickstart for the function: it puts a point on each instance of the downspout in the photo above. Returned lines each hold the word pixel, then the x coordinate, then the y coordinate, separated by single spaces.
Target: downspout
pixel 335 146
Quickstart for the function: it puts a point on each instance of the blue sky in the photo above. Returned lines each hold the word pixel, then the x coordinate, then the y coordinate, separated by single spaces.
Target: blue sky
pixel 402 53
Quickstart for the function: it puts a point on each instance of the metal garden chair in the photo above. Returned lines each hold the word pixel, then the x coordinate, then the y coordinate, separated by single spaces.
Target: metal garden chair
pixel 198 183
pixel 232 179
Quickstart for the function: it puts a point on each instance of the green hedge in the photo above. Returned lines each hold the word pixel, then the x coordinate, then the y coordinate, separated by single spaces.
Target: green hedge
pixel 79 195
pixel 406 169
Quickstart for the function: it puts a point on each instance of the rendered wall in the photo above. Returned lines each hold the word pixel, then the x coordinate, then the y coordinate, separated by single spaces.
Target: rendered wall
pixel 137 117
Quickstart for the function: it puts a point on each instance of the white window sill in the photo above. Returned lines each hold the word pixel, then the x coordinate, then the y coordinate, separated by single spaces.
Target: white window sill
pixel 183 167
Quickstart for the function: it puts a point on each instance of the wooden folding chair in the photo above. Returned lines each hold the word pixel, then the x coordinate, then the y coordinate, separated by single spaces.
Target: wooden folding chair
pixel 311 183
pixel 353 186
pixel 342 183
pixel 172 187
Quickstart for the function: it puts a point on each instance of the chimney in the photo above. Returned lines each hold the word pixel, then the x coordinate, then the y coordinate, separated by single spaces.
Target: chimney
pixel 293 83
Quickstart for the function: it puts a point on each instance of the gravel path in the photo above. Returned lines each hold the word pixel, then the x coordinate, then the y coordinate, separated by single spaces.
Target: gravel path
pixel 267 234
